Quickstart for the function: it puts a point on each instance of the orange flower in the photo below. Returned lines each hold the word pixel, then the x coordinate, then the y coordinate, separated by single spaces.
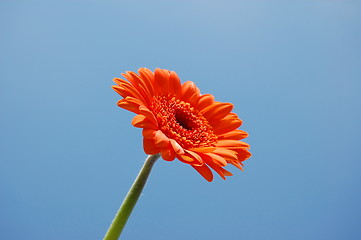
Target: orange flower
pixel 180 122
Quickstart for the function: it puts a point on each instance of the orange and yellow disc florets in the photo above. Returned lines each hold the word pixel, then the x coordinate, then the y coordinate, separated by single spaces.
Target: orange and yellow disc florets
pixel 181 122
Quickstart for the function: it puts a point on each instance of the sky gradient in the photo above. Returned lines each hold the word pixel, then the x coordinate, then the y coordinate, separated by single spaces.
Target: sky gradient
pixel 68 154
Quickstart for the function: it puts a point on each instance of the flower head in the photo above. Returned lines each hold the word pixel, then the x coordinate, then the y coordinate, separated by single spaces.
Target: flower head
pixel 180 122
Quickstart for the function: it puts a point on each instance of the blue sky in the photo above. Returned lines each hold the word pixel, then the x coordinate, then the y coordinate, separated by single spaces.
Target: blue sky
pixel 68 154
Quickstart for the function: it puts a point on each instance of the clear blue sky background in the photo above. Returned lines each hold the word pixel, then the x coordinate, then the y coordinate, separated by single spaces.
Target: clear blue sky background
pixel 69 154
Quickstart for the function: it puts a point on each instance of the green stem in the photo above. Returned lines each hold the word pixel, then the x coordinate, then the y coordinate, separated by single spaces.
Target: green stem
pixel 130 200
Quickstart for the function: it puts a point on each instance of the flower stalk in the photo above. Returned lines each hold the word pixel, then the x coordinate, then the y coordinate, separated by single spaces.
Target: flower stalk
pixel 130 200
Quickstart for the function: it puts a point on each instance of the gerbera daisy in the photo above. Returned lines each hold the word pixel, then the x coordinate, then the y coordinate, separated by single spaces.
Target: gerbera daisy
pixel 180 122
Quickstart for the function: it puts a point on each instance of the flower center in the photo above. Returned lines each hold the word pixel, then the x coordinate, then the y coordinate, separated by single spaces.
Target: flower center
pixel 181 122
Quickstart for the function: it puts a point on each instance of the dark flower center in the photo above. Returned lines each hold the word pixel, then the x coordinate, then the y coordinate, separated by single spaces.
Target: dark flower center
pixel 183 119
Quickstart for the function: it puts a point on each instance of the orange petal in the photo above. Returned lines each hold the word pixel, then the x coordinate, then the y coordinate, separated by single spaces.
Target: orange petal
pixel 176 147
pixel 186 159
pixel 236 164
pixel 168 154
pixel 161 140
pixel 203 149
pixel 119 81
pixel 220 161
pixel 217 111
pixel 227 124
pixel 235 134
pixel 148 79
pixel 137 84
pixel 143 87
pixel 130 103
pixel 134 80
pixel 226 154
pixel 226 173
pixel 174 84
pixel 190 158
pixel 232 144
pixel 204 101
pixel 190 93
pixel 205 172
pixel 221 171
pixel 242 154
pixel 134 100
pixel 146 112
pixel 140 121
pixel 195 156
pixel 161 81
pixel 150 147
pixel 125 91
pixel 122 91
pixel 149 133
pixel 193 100
pixel 123 103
